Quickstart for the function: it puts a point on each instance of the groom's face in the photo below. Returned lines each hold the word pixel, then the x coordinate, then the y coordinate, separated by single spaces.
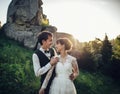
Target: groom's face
pixel 48 42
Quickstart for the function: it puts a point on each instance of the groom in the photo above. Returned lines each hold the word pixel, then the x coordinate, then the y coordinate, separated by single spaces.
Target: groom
pixel 42 58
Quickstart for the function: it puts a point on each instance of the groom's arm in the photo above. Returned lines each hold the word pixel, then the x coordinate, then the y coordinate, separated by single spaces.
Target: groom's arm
pixel 41 70
pixel 37 68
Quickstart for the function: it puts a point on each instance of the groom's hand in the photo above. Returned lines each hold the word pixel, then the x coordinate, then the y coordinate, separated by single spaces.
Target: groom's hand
pixel 72 77
pixel 41 91
pixel 54 60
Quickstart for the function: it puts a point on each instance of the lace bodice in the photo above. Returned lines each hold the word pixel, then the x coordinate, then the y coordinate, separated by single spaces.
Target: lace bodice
pixel 65 68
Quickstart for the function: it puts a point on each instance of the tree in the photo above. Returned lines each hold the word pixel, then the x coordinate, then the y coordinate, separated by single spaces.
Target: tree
pixel 106 50
pixel 96 52
pixel 115 66
pixel 116 48
pixel 95 46
pixel 86 60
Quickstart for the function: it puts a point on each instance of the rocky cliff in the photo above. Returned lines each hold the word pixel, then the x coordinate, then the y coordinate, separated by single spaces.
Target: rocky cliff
pixel 25 19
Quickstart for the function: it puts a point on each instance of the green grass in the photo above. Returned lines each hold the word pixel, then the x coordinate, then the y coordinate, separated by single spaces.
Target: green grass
pixel 95 83
pixel 18 76
pixel 16 68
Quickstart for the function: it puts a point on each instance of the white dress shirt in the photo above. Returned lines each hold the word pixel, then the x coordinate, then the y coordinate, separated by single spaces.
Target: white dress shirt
pixel 36 64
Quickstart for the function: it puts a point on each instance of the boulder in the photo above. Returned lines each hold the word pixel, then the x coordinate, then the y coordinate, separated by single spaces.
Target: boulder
pixel 24 21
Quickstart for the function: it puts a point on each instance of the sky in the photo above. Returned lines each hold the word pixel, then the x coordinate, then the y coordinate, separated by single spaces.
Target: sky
pixel 84 19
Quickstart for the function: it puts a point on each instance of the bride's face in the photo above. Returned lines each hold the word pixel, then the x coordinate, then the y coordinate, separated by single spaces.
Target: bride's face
pixel 59 47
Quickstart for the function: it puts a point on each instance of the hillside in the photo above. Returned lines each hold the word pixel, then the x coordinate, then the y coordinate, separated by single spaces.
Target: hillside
pixel 17 76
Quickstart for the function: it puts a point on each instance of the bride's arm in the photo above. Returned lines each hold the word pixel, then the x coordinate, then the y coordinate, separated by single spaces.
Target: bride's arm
pixel 75 69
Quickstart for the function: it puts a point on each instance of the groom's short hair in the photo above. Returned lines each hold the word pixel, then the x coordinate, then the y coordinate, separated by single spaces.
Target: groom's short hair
pixel 44 36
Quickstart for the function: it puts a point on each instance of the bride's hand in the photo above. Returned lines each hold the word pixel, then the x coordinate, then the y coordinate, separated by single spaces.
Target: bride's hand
pixel 41 91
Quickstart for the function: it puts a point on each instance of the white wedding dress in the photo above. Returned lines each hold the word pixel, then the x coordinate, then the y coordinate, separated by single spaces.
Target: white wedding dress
pixel 62 83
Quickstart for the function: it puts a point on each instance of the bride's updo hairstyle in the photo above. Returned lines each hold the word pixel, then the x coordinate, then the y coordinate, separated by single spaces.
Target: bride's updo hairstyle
pixel 65 41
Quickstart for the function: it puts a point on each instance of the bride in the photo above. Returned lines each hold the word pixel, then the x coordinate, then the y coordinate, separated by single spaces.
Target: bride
pixel 66 70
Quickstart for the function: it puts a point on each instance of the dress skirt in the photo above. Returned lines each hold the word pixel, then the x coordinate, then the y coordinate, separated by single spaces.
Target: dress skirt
pixel 62 85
